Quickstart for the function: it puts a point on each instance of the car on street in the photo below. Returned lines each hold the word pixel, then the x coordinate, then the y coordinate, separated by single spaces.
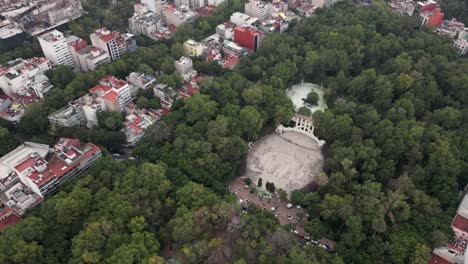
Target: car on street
pixel 131 158
pixel 116 155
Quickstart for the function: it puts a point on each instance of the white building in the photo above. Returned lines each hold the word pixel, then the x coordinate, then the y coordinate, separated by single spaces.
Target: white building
pixel 25 77
pixel 82 111
pixel 241 19
pixel 256 9
pixel 137 121
pixel 184 67
pixel 111 94
pixel 461 43
pixel 55 48
pixel 139 81
pixel 90 58
pixel 144 21
pixel 178 16
pixel 226 32
pixel 154 5
pixel 87 58
pixel 116 93
pixel 215 2
pixel 27 177
pixel 110 41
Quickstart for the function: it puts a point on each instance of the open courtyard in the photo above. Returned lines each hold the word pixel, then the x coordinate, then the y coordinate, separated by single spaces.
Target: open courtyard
pixel 290 160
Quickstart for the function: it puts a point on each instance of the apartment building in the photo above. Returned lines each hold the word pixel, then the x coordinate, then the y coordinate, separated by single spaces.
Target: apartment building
pixel 25 77
pixel 178 16
pixel 244 20
pixel 28 175
pixel 136 121
pixel 154 6
pixel 115 92
pixel 144 21
pixel 111 94
pixel 55 48
pixel 139 81
pixel 461 43
pixel 82 111
pixel 193 48
pixel 110 41
pixel 257 9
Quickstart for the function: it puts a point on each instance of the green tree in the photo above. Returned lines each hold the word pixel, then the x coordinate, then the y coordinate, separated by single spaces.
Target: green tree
pixel 251 122
pixel 312 98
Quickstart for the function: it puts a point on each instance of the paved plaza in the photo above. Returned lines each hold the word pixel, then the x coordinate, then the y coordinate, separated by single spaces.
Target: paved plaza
pixel 290 160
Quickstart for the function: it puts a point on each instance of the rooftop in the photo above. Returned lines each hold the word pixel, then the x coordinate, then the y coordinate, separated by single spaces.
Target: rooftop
pixel 52 36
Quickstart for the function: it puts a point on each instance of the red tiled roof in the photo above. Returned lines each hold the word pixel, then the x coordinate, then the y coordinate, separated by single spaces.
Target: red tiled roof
pixel 198 79
pixel 28 163
pixel 110 80
pixel 78 44
pixel 137 120
pixel 98 88
pixel 460 223
pixel 135 128
pixel 111 96
pixel 10 220
pixel 436 259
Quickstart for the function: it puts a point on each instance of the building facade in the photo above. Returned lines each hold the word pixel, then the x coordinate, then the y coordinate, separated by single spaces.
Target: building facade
pixel 55 48
pixel 247 37
pixel 256 9
pixel 461 43
pixel 193 48
pixel 25 77
pixel 110 41
pixel 28 176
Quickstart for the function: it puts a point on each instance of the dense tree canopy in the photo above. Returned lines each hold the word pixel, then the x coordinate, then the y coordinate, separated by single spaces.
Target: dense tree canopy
pixel 395 162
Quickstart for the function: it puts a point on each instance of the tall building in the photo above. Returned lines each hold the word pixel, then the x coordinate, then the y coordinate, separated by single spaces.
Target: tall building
pixel 247 38
pixel 154 5
pixel 28 175
pixel 144 21
pixel 55 48
pixel 110 41
pixel 256 9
